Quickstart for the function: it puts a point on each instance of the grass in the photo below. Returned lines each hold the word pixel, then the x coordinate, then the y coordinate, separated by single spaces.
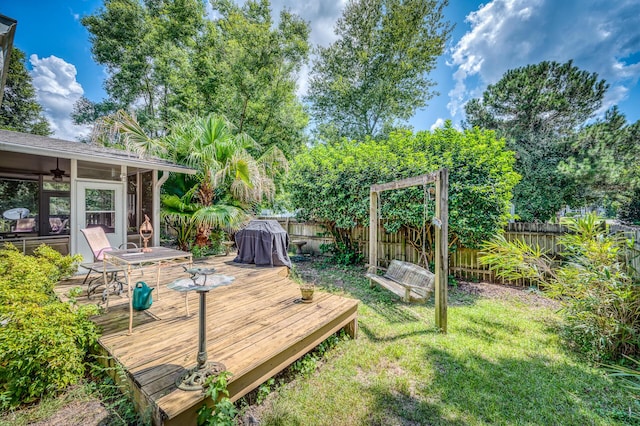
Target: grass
pixel 501 362
pixel 46 407
pixel 95 401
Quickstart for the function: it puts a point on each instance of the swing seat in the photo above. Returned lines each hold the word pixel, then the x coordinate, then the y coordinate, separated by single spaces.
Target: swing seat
pixel 409 281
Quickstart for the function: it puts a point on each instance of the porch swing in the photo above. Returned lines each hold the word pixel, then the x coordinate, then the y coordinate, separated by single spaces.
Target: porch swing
pixel 407 280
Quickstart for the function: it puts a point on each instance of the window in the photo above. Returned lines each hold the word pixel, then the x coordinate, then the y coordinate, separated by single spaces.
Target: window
pixel 100 209
pixel 139 198
pixel 90 170
pixel 18 201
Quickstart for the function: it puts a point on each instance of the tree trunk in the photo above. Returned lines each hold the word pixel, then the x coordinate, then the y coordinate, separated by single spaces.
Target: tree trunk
pixel 202 236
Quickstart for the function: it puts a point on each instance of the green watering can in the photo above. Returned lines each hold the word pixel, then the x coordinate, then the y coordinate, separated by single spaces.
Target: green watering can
pixel 142 297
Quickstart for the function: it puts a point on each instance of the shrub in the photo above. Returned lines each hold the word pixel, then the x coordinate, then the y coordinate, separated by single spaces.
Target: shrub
pixel 64 266
pixel 224 412
pixel 330 183
pixel 601 301
pixel 341 254
pixel 43 341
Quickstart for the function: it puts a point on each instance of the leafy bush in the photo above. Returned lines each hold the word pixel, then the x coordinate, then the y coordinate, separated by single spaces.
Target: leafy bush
pixel 64 266
pixel 330 183
pixel 341 254
pixel 214 247
pixel 224 412
pixel 43 342
pixel 601 300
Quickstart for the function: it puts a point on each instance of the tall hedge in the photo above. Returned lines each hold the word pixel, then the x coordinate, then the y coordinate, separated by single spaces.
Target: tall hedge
pixel 330 182
pixel 43 342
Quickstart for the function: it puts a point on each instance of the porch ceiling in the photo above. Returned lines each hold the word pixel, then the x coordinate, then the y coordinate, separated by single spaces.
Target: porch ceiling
pixel 58 148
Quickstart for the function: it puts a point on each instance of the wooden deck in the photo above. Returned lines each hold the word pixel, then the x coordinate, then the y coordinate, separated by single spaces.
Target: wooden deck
pixel 256 327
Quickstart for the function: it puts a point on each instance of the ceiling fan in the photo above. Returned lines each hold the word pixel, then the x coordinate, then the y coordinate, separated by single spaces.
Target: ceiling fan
pixel 57 173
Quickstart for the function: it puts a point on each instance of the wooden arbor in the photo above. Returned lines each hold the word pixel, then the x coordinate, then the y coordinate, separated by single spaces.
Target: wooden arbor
pixel 441 223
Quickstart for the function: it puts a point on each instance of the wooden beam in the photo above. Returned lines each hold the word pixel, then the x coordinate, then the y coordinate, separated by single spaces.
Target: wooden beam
pixel 442 248
pixel 373 230
pixel 405 183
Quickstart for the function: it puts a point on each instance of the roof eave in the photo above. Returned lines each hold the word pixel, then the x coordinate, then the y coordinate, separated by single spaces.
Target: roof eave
pixel 104 158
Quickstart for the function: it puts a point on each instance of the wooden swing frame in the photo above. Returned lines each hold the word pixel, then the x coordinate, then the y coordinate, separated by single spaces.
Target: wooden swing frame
pixel 441 224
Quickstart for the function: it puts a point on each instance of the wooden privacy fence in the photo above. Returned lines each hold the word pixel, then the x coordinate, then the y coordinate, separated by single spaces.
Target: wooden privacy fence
pixel 632 253
pixel 463 262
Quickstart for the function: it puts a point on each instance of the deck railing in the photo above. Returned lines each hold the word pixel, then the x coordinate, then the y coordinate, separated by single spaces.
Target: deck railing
pixel 27 245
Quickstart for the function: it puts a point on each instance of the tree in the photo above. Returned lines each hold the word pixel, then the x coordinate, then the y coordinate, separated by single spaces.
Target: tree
pixel 629 212
pixel 87 112
pixel 167 60
pixel 147 48
pixel 228 182
pixel 374 76
pixel 247 70
pixel 20 111
pixel 535 108
pixel 330 183
pixel 603 161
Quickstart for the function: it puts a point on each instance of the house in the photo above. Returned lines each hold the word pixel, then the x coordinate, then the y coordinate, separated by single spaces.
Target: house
pixel 63 186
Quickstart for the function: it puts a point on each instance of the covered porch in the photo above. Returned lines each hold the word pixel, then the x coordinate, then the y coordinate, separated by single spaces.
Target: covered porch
pixel 51 188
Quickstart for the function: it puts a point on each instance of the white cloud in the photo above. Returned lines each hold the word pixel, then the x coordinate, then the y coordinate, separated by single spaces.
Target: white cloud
pixel 599 36
pixel 321 16
pixel 439 123
pixel 303 81
pixel 57 90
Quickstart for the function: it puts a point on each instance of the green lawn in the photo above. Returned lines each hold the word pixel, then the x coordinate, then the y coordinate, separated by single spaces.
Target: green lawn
pixel 501 362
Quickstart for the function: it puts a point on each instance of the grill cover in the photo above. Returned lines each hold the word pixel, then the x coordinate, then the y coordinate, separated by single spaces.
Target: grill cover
pixel 263 242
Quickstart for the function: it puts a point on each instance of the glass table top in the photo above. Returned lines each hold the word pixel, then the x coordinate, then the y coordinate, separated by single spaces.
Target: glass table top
pixel 201 282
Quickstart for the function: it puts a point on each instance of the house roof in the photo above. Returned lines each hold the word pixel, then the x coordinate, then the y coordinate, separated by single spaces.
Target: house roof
pixel 51 147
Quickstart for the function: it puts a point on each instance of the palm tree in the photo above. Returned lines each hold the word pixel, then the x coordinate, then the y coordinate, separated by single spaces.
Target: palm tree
pixel 228 182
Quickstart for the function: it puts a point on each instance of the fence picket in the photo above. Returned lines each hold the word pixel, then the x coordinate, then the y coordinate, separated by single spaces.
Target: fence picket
pixel 463 262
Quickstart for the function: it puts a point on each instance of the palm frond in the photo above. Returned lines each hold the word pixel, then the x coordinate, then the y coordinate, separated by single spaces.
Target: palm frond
pixel 274 160
pixel 178 205
pixel 124 129
pixel 220 216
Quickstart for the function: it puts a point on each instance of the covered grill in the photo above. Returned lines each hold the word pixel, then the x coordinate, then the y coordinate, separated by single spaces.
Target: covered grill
pixel 263 242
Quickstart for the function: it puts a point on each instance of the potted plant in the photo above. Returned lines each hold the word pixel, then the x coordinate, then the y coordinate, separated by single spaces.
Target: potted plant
pixel 307 292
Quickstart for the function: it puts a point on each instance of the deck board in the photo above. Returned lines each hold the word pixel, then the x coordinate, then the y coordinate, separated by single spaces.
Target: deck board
pixel 256 327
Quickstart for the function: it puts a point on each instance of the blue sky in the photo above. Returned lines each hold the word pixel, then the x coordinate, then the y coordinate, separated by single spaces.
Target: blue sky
pixel 489 39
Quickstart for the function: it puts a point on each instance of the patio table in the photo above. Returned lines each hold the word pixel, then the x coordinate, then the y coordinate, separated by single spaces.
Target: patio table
pixel 160 256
